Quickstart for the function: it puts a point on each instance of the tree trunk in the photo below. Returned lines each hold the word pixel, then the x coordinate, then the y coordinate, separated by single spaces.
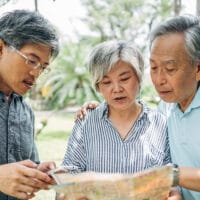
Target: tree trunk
pixel 177 7
pixel 198 7
pixel 36 5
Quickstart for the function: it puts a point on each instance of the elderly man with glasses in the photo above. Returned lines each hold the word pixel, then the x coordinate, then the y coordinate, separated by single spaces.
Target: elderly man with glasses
pixel 27 42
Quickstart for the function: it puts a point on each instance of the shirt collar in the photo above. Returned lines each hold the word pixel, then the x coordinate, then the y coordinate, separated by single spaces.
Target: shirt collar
pixel 14 95
pixel 103 110
pixel 195 103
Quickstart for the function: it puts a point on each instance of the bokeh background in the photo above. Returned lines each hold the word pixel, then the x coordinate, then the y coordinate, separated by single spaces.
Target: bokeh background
pixel 81 25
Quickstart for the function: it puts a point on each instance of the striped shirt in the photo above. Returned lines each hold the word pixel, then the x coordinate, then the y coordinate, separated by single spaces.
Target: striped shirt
pixel 95 145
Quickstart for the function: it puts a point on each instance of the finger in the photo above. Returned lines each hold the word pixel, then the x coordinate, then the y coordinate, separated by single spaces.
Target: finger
pixel 61 196
pixel 36 174
pixel 28 163
pixel 27 188
pixel 52 182
pixel 83 110
pixel 80 114
pixel 30 195
pixel 28 184
pixel 46 166
pixel 77 116
pixel 35 184
pixel 52 165
pixel 23 195
pixel 94 104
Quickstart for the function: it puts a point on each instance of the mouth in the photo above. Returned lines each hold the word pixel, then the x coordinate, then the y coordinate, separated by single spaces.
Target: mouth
pixel 28 83
pixel 164 92
pixel 119 98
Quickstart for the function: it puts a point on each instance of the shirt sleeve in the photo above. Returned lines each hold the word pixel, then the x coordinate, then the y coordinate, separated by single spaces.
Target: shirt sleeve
pixel 34 156
pixel 75 154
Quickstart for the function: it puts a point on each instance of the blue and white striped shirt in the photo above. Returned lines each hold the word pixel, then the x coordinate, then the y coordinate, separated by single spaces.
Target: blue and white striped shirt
pixel 95 145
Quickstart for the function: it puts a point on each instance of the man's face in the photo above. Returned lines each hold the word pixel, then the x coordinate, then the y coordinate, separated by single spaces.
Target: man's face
pixel 173 74
pixel 16 74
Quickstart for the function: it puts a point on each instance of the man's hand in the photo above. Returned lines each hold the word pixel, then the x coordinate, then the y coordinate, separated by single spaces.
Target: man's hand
pixel 46 167
pixel 22 179
pixel 83 110
pixel 174 194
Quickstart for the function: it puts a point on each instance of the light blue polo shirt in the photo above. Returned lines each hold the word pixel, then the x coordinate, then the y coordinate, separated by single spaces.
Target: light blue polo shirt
pixel 184 136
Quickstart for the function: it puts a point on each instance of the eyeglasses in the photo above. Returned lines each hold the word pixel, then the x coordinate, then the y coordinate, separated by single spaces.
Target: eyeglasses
pixel 34 64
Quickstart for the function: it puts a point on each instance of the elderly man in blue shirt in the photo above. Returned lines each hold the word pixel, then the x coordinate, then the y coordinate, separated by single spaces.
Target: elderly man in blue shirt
pixel 175 73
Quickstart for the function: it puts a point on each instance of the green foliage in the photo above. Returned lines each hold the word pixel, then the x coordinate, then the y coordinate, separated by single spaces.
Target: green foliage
pixel 149 95
pixel 69 81
pixel 125 19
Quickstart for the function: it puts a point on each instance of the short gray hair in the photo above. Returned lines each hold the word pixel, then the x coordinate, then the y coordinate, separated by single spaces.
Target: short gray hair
pixel 20 27
pixel 105 55
pixel 189 25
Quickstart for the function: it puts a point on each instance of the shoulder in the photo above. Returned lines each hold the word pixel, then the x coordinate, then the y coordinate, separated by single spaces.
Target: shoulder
pixel 94 115
pixel 153 113
pixel 165 108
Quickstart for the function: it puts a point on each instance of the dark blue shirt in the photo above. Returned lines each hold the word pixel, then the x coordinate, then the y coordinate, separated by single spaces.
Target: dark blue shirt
pixel 16 132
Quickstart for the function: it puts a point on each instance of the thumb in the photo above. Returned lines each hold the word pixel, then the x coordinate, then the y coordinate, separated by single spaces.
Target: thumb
pixel 28 163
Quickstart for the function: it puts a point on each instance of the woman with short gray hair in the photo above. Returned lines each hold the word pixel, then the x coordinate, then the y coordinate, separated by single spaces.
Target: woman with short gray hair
pixel 105 55
pixel 122 135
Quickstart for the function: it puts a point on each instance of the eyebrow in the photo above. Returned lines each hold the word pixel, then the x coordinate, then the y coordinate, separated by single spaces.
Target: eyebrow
pixel 169 61
pixel 126 72
pixel 37 57
pixel 123 73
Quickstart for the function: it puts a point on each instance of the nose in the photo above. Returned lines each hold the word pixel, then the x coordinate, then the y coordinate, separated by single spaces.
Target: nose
pixel 117 87
pixel 159 78
pixel 35 72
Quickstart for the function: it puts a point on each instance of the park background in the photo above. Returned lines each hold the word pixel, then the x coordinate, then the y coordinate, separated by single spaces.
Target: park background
pixel 81 25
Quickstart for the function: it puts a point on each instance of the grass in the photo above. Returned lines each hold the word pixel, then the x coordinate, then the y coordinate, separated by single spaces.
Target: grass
pixel 51 142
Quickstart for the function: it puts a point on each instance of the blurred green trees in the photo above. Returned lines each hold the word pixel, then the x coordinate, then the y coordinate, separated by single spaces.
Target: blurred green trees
pixel 68 82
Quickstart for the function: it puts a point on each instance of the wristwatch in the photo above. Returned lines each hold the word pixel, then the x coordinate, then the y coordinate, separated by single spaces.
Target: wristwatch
pixel 175 175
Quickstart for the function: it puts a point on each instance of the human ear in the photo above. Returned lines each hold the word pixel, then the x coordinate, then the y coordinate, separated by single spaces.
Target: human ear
pixel 198 71
pixel 2 44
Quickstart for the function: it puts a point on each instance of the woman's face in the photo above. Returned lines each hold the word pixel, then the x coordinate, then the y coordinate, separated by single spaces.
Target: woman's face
pixel 120 86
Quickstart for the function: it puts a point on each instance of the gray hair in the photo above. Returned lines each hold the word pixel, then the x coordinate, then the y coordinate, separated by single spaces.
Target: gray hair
pixel 189 25
pixel 20 27
pixel 105 55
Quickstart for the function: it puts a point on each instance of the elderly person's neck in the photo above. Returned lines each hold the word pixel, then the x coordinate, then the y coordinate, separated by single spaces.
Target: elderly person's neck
pixel 124 120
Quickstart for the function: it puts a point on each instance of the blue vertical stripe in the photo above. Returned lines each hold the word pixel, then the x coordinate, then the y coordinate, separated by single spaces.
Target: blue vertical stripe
pixel 95 145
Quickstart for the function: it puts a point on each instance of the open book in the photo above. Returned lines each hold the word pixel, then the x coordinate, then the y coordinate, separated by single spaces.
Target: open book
pixel 153 184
